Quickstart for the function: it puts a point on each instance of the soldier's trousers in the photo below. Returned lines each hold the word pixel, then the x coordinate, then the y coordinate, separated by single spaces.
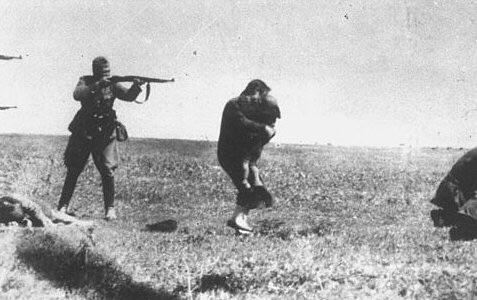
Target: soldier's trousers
pixel 105 157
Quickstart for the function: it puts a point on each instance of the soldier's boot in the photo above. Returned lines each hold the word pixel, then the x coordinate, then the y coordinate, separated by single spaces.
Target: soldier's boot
pixel 108 195
pixel 68 189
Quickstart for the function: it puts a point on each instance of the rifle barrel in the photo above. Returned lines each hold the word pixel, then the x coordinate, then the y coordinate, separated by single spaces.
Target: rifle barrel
pixel 7 57
pixel 131 78
pixel 7 107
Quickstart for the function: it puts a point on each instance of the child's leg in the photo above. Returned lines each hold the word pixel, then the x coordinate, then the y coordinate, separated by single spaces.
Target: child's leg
pixel 245 173
pixel 261 195
pixel 254 176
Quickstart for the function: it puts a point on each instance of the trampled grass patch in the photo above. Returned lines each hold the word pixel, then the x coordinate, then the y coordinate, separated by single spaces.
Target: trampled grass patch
pixel 349 222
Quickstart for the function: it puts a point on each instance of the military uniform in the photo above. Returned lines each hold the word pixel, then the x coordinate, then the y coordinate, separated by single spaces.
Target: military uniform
pixel 457 193
pixel 93 131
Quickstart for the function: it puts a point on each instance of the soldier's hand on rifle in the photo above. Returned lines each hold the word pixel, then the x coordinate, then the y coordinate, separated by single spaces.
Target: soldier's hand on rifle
pixel 138 82
pixel 104 83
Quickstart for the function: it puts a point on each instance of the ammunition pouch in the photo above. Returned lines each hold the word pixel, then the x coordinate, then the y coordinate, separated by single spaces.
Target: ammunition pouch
pixel 121 132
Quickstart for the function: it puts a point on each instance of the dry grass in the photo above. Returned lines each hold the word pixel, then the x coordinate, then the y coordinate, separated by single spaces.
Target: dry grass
pixel 350 223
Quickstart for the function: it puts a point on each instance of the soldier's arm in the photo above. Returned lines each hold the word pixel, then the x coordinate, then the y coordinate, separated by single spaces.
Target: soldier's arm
pixel 126 94
pixel 245 173
pixel 82 91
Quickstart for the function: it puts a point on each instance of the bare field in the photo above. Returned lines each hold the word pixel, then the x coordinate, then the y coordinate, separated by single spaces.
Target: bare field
pixel 349 223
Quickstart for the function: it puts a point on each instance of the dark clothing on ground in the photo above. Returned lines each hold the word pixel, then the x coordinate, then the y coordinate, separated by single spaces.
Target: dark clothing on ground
pixel 18 209
pixel 457 193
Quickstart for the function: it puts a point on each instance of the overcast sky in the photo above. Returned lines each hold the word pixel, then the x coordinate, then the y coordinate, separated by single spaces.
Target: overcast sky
pixel 344 72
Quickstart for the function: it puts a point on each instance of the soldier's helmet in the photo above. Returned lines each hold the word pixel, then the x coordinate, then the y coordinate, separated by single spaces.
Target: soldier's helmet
pixel 101 67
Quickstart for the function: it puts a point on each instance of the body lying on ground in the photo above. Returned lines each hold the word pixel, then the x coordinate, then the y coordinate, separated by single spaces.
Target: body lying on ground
pixel 21 210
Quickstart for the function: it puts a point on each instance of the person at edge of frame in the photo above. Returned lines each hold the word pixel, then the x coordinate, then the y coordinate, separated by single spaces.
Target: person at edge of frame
pixel 247 125
pixel 93 131
pixel 456 196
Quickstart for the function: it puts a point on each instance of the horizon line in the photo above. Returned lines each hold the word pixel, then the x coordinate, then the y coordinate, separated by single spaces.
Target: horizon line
pixel 275 144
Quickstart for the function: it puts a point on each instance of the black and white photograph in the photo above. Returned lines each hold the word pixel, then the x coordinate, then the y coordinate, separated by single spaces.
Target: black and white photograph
pixel 238 149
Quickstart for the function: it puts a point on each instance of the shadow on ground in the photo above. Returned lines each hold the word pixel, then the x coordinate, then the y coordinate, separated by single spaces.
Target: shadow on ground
pixel 78 268
pixel 162 226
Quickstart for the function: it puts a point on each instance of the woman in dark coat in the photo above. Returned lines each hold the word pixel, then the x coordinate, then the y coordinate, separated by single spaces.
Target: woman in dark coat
pixel 247 126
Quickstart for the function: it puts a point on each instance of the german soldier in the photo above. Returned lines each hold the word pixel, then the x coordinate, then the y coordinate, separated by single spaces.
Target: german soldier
pixel 247 125
pixel 93 131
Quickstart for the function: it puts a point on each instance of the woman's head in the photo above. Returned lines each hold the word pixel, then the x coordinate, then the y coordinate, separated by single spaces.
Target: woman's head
pixel 256 88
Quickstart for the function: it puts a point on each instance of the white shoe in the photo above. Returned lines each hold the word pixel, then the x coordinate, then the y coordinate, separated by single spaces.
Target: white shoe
pixel 242 223
pixel 239 223
pixel 239 220
pixel 238 229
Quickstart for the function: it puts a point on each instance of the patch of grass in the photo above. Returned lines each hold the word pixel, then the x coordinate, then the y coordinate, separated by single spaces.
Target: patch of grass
pixel 349 223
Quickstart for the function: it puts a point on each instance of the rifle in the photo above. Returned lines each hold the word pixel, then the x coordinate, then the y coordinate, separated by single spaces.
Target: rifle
pixel 6 57
pixel 148 80
pixel 7 107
